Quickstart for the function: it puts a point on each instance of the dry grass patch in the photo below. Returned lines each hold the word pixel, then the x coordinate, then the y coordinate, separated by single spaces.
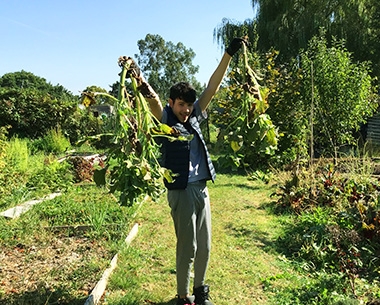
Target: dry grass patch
pixel 62 270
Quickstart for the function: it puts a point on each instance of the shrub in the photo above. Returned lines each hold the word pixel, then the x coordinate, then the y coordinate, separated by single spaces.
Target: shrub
pixel 337 227
pixel 54 176
pixel 3 147
pixel 53 142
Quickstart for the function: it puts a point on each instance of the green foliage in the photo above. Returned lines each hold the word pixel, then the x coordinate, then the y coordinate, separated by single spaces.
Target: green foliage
pixel 3 146
pixel 289 26
pixel 53 177
pixel 287 109
pixel 11 183
pixel 24 175
pixel 24 80
pixel 68 211
pixel 314 69
pixel 53 142
pixel 247 135
pixel 325 94
pixel 342 92
pixel 337 227
pixel 132 169
pixel 164 63
pixel 32 107
pixel 228 29
pixel 18 155
pixel 32 113
pixel 322 288
pixel 83 124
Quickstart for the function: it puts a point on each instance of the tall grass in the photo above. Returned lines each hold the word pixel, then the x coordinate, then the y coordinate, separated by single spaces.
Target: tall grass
pixel 17 155
pixel 53 142
pixel 25 175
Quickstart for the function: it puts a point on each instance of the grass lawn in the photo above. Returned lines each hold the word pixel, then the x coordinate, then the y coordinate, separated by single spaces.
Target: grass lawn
pixel 243 255
pixel 45 259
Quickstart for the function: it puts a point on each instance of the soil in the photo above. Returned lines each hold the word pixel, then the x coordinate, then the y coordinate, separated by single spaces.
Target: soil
pixel 63 270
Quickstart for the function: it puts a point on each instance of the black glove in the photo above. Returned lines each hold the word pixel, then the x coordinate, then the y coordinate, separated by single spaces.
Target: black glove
pixel 235 45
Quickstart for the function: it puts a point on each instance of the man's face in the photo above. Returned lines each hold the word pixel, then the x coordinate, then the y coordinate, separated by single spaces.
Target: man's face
pixel 181 109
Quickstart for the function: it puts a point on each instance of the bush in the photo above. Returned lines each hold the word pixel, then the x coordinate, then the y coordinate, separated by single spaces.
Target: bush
pixel 337 227
pixel 54 176
pixel 53 142
pixel 18 155
pixel 24 176
pixel 32 113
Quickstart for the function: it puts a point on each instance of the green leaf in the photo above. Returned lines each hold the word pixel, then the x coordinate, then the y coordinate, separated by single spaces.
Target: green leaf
pixel 235 146
pixel 100 176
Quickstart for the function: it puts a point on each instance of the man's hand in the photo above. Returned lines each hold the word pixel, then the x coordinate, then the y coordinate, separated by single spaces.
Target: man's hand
pixel 235 45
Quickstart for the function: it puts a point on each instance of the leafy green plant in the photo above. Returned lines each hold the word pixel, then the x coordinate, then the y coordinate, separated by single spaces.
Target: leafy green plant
pixel 337 224
pixel 342 92
pixel 16 167
pixel 18 155
pixel 54 176
pixel 132 169
pixel 3 147
pixel 32 113
pixel 53 142
pixel 248 133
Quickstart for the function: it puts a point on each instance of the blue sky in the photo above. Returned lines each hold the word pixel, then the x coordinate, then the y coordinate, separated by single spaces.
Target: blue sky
pixel 77 43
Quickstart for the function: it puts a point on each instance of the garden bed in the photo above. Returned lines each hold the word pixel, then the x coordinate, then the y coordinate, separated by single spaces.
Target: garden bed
pixel 61 270
pixel 56 252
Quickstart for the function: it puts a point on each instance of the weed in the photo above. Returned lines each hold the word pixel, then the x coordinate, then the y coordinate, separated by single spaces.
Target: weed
pixel 53 142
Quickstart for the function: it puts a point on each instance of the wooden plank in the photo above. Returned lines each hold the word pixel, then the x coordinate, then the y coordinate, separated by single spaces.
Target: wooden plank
pixel 100 287
pixel 22 208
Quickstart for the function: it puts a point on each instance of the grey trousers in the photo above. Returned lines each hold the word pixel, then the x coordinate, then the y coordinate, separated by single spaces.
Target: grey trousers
pixel 190 210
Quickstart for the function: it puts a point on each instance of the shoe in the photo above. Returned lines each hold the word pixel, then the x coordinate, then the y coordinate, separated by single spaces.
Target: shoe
pixel 202 295
pixel 186 301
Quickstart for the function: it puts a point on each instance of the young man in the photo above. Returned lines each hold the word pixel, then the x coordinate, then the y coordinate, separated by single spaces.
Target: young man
pixel 188 195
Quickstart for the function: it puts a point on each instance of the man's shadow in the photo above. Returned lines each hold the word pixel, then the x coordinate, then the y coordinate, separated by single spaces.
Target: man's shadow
pixel 170 302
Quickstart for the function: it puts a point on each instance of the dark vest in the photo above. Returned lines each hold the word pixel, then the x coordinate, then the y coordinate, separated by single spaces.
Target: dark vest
pixel 176 154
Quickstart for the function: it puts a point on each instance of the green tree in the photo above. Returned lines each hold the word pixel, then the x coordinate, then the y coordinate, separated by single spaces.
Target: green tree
pixel 24 80
pixel 165 63
pixel 32 106
pixel 325 88
pixel 289 25
pixel 229 29
pixel 342 92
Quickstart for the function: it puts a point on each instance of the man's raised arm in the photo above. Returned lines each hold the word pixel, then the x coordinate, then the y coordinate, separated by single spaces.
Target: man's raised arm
pixel 151 97
pixel 217 77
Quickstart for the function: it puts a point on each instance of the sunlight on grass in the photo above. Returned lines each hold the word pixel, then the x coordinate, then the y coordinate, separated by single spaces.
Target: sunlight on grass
pixel 242 252
pixel 17 155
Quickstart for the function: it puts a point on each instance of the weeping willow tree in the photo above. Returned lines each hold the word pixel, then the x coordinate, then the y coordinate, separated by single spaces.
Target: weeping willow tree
pixel 288 26
pixel 228 29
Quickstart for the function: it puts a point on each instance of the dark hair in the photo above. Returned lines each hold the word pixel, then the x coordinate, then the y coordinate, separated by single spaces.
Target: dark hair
pixel 183 91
